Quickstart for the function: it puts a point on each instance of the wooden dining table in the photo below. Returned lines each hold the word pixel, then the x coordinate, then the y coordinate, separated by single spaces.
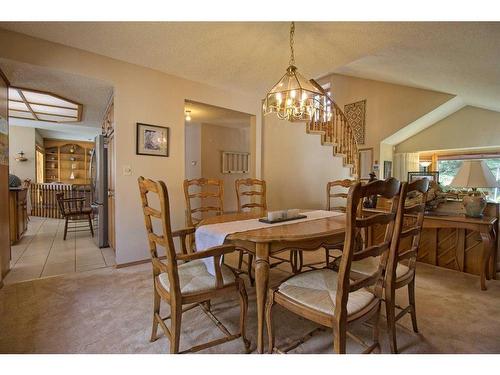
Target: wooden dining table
pixel 308 235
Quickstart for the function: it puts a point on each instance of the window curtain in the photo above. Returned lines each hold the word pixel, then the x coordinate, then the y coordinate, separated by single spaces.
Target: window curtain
pixel 404 163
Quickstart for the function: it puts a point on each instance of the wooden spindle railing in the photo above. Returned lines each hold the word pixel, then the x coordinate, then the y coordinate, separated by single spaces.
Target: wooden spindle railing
pixel 44 200
pixel 336 132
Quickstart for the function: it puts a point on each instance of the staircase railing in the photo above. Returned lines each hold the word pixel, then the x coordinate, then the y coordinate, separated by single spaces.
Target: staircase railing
pixel 336 131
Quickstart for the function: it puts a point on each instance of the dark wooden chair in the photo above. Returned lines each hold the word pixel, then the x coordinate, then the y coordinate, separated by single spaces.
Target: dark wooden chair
pixel 403 258
pixel 336 190
pixel 341 299
pixel 182 280
pixel 72 209
pixel 401 263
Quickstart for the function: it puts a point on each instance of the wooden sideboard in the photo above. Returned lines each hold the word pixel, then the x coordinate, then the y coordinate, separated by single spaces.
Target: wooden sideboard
pixel 18 212
pixel 454 241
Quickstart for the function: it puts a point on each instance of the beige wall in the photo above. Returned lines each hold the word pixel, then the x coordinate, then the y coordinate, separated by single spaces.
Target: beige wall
pixel 214 140
pixel 296 166
pixel 22 139
pixel 193 150
pixel 470 127
pixel 140 95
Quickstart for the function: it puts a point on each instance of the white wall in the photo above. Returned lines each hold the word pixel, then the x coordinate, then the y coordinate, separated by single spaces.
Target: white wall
pixel 470 127
pixel 22 139
pixel 141 95
pixel 193 150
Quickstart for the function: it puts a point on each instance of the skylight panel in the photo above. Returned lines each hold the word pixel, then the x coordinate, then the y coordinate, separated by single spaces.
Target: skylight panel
pixel 42 106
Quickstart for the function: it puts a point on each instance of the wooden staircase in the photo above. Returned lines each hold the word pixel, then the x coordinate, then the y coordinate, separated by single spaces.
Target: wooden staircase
pixel 335 131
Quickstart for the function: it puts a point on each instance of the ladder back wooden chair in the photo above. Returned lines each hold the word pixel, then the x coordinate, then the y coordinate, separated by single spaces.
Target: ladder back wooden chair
pixel 201 190
pixel 332 193
pixel 335 190
pixel 341 299
pixel 73 210
pixel 183 280
pixel 251 194
pixel 203 196
pixel 402 259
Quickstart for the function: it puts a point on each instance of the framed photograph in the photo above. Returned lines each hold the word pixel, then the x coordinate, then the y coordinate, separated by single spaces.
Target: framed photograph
pixel 432 176
pixel 387 169
pixel 152 140
pixel 365 163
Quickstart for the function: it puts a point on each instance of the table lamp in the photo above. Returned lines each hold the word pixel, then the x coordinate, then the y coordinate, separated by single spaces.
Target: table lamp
pixel 474 174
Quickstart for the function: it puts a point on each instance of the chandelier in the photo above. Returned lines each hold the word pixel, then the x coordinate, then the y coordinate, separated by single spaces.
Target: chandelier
pixel 294 98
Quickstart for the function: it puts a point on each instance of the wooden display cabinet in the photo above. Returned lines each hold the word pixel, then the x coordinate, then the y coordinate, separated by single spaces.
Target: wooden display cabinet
pixel 67 161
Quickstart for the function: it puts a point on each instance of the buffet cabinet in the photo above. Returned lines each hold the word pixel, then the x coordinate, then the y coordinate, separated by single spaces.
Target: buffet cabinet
pixel 18 212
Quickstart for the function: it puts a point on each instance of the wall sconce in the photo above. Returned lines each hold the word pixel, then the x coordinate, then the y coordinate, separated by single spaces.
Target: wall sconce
pixel 188 115
pixel 20 156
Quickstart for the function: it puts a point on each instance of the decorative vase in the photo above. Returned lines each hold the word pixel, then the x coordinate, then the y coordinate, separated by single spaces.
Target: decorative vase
pixel 474 205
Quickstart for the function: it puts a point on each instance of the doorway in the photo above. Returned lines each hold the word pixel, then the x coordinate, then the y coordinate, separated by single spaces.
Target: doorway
pixel 219 143
pixel 50 155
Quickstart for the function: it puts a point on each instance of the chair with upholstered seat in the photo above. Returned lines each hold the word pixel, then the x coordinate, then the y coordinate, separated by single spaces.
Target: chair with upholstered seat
pixel 341 299
pixel 401 263
pixel 183 281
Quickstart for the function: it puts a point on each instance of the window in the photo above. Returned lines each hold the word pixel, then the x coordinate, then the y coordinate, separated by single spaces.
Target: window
pixel 448 168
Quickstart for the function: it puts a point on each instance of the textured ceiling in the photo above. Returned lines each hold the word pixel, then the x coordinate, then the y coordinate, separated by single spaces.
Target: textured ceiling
pixel 459 58
pixel 209 114
pixel 93 94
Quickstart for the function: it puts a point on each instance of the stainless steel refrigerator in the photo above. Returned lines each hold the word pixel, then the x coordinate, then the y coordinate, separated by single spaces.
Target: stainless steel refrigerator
pixel 99 188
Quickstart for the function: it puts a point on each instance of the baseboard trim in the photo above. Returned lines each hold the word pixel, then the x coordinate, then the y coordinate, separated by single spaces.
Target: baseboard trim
pixel 136 263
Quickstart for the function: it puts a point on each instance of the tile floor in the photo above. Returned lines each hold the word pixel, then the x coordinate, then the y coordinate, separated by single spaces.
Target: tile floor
pixel 42 252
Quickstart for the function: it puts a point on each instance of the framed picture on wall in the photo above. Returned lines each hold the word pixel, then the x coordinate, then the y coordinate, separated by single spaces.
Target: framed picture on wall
pixel 365 163
pixel 432 176
pixel 152 140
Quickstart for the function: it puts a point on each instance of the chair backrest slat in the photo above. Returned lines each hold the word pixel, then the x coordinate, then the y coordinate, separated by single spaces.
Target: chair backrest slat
pixel 255 192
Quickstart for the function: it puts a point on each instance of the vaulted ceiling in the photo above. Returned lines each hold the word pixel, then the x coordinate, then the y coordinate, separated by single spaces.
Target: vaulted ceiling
pixel 458 57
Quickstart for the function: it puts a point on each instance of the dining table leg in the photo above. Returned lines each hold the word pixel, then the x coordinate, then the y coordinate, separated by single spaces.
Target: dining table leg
pixel 261 288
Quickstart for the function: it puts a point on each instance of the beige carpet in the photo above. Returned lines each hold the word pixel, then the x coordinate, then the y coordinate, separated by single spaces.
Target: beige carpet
pixel 109 311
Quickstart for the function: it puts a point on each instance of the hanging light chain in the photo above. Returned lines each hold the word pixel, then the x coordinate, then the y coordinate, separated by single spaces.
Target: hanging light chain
pixel 292 54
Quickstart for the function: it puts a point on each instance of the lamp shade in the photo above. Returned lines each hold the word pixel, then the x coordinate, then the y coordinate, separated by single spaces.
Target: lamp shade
pixel 474 174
